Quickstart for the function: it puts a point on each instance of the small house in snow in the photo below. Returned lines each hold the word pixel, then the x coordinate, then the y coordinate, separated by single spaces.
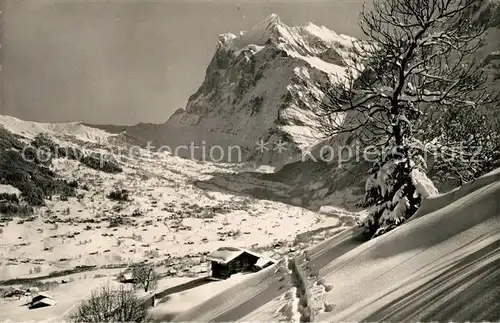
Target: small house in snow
pixel 126 278
pixel 41 300
pixel 263 263
pixel 230 260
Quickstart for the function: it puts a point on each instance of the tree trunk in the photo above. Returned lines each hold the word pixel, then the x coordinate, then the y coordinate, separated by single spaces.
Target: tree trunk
pixel 148 279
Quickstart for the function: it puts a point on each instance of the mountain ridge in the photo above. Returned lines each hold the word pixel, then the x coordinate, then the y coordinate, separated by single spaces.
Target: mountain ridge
pixel 260 85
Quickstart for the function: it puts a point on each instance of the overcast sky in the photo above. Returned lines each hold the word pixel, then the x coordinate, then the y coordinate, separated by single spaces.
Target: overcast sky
pixel 123 62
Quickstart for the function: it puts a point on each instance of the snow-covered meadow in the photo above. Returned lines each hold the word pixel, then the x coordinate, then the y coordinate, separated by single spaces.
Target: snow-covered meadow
pixel 170 220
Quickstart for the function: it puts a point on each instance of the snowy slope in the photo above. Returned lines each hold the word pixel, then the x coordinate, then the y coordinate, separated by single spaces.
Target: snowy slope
pixel 452 274
pixel 30 129
pixel 443 265
pixel 259 85
pixel 74 133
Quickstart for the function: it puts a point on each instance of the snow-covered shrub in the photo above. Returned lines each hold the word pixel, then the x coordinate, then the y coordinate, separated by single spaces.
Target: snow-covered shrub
pixel 118 195
pixel 328 307
pixel 108 304
pixel 466 143
pixel 97 161
pixel 9 197
pixel 101 163
pixel 395 188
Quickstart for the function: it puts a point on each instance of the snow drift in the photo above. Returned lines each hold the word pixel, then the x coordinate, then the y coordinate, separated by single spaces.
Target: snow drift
pixel 441 266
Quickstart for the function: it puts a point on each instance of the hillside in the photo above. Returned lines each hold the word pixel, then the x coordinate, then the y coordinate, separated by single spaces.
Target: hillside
pixel 451 275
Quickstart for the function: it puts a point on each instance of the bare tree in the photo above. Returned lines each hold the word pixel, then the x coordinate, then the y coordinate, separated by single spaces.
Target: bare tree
pixel 108 304
pixel 145 277
pixel 416 63
pixel 469 145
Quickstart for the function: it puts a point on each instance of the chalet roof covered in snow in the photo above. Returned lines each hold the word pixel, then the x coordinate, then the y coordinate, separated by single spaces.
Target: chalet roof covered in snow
pixel 42 300
pixel 42 303
pixel 41 296
pixel 226 254
pixel 264 262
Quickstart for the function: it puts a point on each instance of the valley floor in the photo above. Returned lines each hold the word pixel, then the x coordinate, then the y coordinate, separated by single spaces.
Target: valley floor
pixel 169 221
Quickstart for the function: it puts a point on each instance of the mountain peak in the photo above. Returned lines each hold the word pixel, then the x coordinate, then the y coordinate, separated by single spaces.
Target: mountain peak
pixel 269 28
pixel 271 31
pixel 271 21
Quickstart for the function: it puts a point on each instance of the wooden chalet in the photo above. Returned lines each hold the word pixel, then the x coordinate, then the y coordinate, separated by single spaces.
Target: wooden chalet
pixel 230 260
pixel 41 300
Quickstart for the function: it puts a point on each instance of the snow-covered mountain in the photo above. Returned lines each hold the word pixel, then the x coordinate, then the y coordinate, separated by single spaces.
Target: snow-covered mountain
pixel 260 85
pixel 75 132
pixel 489 53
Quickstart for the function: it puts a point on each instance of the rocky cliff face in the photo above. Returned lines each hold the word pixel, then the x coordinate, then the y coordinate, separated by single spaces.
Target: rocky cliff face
pixel 262 86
